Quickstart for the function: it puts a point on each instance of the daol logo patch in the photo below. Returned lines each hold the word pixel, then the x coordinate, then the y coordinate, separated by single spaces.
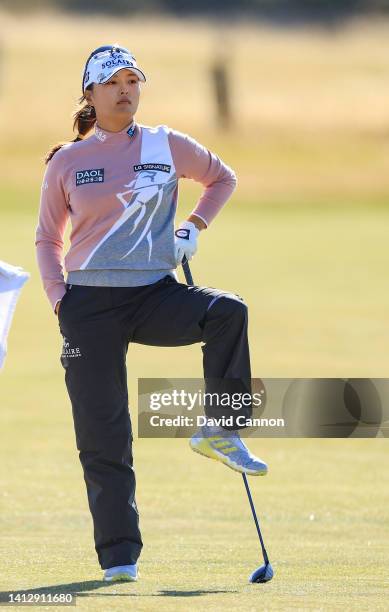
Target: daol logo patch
pixel 93 175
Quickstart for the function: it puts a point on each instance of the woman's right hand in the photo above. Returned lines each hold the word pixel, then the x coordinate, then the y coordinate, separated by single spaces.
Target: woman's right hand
pixel 57 307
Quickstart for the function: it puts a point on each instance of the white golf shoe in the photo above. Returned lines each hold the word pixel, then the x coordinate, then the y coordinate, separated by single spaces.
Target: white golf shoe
pixel 121 572
pixel 227 447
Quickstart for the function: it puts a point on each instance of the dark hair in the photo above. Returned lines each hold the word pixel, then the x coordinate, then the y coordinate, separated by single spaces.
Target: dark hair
pixel 84 120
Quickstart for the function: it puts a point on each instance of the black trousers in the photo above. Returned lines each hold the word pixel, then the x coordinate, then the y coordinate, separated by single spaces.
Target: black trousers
pixel 97 324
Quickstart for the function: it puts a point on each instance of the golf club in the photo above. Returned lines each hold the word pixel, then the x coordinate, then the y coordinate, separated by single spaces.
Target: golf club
pixel 265 572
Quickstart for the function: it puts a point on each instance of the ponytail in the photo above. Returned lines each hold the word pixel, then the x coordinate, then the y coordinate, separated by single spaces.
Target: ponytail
pixel 84 120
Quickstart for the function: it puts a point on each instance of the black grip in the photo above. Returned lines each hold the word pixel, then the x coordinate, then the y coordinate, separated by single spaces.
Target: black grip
pixel 187 272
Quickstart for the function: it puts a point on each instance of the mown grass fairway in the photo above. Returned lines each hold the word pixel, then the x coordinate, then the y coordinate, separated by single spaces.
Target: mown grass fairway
pixel 303 240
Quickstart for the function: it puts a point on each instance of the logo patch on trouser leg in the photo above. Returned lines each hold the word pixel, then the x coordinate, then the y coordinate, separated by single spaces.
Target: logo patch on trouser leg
pixel 69 352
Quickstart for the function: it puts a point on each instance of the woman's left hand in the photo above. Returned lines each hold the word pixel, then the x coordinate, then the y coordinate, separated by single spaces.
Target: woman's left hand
pixel 185 241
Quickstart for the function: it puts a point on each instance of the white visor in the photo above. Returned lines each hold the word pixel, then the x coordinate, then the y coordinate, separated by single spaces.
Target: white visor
pixel 103 65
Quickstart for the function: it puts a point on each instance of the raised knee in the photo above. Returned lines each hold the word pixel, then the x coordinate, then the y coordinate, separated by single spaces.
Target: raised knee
pixel 232 305
pixel 239 308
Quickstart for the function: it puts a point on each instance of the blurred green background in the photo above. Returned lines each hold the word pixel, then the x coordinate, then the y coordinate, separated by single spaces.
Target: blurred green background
pixel 303 240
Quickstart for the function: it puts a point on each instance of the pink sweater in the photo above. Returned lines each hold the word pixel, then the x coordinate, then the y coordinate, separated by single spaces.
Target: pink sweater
pixel 86 181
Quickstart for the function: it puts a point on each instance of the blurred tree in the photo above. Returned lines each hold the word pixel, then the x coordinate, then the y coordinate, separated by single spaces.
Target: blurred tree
pixel 26 6
pixel 102 6
pixel 219 72
pixel 286 11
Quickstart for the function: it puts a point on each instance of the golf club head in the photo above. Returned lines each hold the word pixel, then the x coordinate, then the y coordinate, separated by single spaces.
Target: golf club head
pixel 262 574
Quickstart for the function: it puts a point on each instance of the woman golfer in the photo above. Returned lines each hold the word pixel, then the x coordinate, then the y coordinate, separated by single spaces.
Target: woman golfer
pixel 119 188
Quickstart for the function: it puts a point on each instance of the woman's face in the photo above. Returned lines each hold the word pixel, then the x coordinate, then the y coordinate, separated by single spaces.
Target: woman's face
pixel 117 98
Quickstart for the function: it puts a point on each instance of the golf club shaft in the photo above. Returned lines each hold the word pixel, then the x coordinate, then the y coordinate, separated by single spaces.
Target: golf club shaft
pixel 246 484
pixel 189 281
